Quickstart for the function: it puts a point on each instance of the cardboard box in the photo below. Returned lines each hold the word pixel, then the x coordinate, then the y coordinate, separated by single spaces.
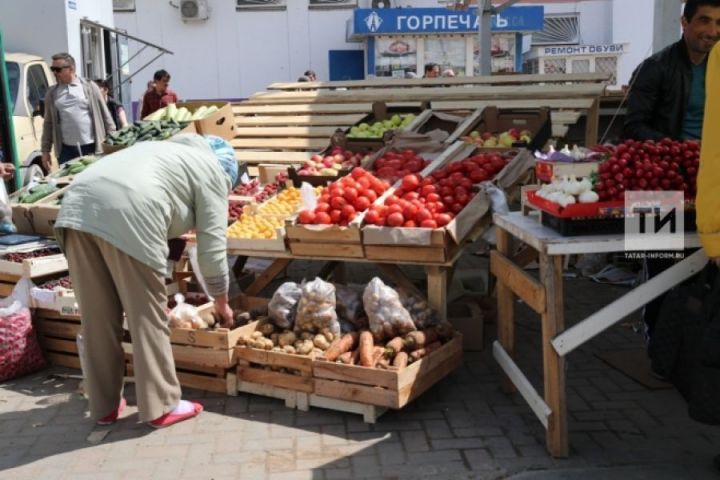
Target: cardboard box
pixel 221 123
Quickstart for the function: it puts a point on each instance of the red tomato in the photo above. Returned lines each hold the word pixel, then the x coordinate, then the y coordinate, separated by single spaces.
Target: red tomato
pixel 428 189
pixel 428 223
pixel 324 198
pixel 445 191
pixel 363 182
pixel 391 200
pixel 410 224
pixel 358 172
pixel 322 207
pixel 478 175
pixel 423 214
pixel 306 216
pixel 395 208
pixel 460 191
pixel 322 218
pixel 351 217
pixel 351 194
pixel 395 219
pixel 347 211
pixel 456 208
pixel 372 217
pixel 371 195
pixel 428 181
pixel 433 197
pixel 410 211
pixel 335 216
pixel 411 195
pixel 442 219
pixel 466 183
pixel 361 204
pixel 448 199
pixel 338 203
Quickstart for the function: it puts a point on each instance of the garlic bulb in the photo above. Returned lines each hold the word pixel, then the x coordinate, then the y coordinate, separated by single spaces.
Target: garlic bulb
pixel 555 197
pixel 585 185
pixel 566 150
pixel 588 196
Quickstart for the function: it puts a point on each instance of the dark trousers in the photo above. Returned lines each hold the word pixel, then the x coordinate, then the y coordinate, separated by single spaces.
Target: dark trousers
pixel 70 152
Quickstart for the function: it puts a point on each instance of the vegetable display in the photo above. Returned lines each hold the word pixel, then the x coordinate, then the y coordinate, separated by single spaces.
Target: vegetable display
pixel 143 130
pixel 74 167
pixel 18 257
pixel 392 166
pixel 569 191
pixel 377 129
pixel 62 283
pixel 35 193
pixel 182 114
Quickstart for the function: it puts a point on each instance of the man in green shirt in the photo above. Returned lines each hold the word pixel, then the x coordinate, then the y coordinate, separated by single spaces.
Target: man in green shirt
pixel 114 225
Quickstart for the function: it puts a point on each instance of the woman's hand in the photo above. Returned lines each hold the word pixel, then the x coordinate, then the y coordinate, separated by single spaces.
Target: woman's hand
pixel 224 312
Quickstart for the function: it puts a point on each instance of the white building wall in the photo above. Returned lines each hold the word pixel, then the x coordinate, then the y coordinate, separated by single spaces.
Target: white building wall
pixel 235 54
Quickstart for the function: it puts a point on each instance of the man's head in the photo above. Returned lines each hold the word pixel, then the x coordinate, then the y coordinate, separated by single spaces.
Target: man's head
pixel 701 25
pixel 103 85
pixel 432 70
pixel 63 66
pixel 161 79
pixel 310 74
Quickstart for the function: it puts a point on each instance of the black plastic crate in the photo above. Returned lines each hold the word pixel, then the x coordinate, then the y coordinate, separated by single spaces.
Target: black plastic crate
pixel 574 227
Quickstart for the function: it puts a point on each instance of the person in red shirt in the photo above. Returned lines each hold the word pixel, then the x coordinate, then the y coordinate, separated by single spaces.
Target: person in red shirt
pixel 159 96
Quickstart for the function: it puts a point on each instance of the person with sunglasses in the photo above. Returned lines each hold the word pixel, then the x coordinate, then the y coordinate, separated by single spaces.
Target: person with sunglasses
pixel 76 116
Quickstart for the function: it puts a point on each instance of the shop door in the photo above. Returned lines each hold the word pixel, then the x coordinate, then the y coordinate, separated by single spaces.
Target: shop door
pixel 347 64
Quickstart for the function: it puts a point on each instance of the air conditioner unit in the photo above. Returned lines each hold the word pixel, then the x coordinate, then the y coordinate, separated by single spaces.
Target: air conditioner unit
pixel 123 5
pixel 380 3
pixel 194 10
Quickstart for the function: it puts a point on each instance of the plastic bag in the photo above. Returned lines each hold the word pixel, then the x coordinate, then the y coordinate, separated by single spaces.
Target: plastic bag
pixel 350 306
pixel 282 306
pixel 422 315
pixel 316 308
pixel 386 314
pixel 185 315
pixel 6 223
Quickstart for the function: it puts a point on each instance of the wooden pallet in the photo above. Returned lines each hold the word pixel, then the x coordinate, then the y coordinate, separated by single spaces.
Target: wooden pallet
pixel 326 240
pixel 386 388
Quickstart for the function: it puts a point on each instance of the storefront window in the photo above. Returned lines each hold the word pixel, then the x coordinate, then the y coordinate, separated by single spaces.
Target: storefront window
pixel 502 52
pixel 555 65
pixel 607 65
pixel 395 56
pixel 447 51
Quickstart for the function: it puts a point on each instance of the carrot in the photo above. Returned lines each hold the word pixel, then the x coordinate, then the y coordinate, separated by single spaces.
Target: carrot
pixel 420 338
pixel 401 360
pixel 377 354
pixel 383 363
pixel 416 355
pixel 345 358
pixel 354 357
pixel 365 349
pixel 395 345
pixel 340 346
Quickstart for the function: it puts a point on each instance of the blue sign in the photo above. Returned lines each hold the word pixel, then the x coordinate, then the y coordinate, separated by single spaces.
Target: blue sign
pixel 388 21
pixel 72 4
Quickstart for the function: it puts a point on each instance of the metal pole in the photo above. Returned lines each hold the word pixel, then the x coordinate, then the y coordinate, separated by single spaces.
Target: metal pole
pixel 9 146
pixel 485 36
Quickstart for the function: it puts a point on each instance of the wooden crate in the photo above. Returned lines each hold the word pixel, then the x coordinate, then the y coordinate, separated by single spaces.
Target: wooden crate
pixel 386 388
pixel 325 240
pixel 32 267
pixel 216 380
pixel 57 335
pixel 256 366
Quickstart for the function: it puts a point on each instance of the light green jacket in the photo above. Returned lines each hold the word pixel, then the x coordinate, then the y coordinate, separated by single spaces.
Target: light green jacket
pixel 138 198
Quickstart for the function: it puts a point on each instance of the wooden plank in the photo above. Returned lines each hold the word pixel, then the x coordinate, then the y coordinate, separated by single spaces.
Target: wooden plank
pixel 539 102
pixel 437 282
pixel 506 309
pixel 405 253
pixel 566 116
pixel 592 120
pixel 329 108
pixel 446 81
pixel 58 328
pixel 430 94
pixel 272 157
pixel 202 382
pixel 370 413
pixel 553 323
pixel 264 279
pixel 268 377
pixel 58 344
pixel 299 120
pixel 302 363
pixel 526 389
pixel 209 357
pixel 63 360
pixel 327 250
pixel 356 393
pixel 415 372
pixel 221 338
pixel 281 143
pixel 525 256
pixel 428 379
pixel 285 132
pixel 519 281
pixel 55 315
pixel 6 289
pixel 356 374
pixel 291 398
pixel 609 315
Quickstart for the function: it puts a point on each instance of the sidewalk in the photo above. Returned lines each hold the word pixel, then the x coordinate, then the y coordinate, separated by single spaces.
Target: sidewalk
pixel 464 427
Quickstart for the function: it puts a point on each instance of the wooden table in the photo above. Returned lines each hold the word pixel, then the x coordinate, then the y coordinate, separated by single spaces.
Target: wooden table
pixel 545 296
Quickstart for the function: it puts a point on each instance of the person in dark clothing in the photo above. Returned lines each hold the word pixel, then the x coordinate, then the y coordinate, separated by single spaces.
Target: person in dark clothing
pixel 117 112
pixel 667 90
pixel 159 96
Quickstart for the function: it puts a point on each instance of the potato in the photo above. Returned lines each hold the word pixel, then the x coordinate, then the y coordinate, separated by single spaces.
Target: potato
pixel 267 329
pixel 306 347
pixel 306 336
pixel 289 349
pixel 256 334
pixel 321 342
pixel 208 318
pixel 286 339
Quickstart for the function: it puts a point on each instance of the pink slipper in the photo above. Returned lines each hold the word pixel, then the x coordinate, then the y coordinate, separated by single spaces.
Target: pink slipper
pixel 112 417
pixel 171 419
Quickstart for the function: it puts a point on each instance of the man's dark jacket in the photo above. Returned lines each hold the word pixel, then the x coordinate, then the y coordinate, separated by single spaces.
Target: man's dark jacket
pixel 659 94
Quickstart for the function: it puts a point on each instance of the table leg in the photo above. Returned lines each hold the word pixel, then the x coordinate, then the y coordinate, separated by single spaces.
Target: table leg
pixel 437 280
pixel 267 276
pixel 553 323
pixel 505 309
